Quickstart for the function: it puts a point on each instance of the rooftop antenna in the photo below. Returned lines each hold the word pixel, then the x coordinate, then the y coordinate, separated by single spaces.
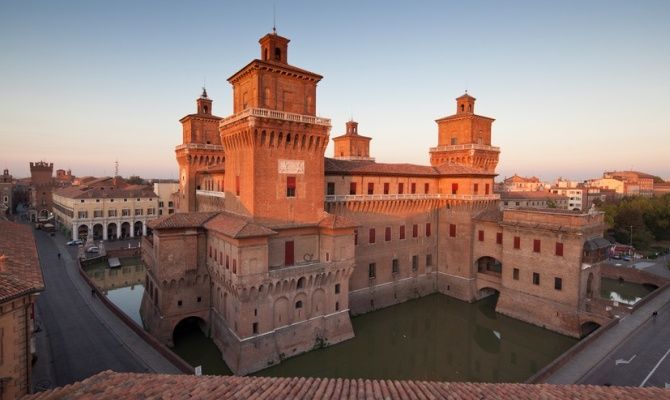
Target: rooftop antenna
pixel 274 18
pixel 116 168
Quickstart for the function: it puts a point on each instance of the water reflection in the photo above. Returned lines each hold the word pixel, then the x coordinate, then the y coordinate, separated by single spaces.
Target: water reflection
pixel 623 292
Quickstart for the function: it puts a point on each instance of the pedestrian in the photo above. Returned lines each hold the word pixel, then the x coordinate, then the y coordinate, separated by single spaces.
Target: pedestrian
pixel 93 292
pixel 654 315
pixel 59 256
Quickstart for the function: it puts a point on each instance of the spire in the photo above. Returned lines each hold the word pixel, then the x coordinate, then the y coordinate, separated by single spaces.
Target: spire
pixel 204 93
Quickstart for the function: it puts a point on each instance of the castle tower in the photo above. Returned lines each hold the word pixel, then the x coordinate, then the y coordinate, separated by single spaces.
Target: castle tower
pixel 41 185
pixel 465 138
pixel 274 141
pixel 201 148
pixel 351 145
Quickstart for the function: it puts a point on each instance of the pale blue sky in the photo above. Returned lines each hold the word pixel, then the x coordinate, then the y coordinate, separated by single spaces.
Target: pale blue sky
pixel 576 87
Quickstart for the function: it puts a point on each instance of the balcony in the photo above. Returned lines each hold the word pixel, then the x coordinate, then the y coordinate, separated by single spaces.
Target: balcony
pixel 472 146
pixel 199 146
pixel 313 267
pixel 210 193
pixel 273 114
pixel 430 196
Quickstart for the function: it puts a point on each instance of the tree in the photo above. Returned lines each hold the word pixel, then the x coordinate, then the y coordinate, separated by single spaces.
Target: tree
pixel 135 180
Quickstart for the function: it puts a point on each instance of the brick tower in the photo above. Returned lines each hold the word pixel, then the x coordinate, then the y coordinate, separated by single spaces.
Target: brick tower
pixel 41 184
pixel 200 149
pixel 274 141
pixel 351 145
pixel 465 138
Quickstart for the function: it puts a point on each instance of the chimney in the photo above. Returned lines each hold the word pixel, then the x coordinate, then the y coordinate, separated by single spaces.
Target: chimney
pixel 3 263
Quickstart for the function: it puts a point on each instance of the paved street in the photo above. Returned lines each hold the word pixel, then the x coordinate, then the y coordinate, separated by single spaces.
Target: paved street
pixel 77 335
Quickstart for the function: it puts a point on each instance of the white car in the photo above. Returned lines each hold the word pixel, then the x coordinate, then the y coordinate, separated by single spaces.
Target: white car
pixel 93 249
pixel 74 242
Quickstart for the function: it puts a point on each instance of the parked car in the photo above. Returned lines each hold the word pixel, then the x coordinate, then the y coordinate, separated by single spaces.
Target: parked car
pixel 626 258
pixel 93 249
pixel 76 242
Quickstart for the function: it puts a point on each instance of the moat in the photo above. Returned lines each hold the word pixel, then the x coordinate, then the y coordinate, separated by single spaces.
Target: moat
pixel 432 338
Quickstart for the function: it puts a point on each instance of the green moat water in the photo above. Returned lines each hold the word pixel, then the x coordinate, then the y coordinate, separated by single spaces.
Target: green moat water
pixel 432 338
pixel 623 292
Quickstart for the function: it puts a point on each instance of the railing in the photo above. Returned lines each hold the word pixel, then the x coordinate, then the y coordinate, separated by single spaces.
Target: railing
pixel 199 146
pixel 434 196
pixel 472 146
pixel 210 193
pixel 282 115
pixel 303 269
pixel 354 158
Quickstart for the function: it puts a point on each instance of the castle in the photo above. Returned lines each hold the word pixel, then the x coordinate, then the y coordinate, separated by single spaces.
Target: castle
pixel 276 245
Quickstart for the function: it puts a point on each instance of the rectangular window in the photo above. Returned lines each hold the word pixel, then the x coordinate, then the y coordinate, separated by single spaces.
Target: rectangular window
pixel 415 263
pixel 452 230
pixel 151 211
pixel 237 185
pixel 352 188
pixel 536 278
pixel 515 274
pixel 413 187
pixel 160 204
pixel 330 189
pixel 428 232
pixel 111 213
pixel 215 259
pixel 517 242
pixel 372 270
pixel 371 188
pixel 454 188
pixel 558 283
pixel 372 235
pixel 387 234
pixel 170 204
pixel 481 235
pixel 536 245
pixel 401 188
pixel 337 288
pixel 254 327
pixel 426 188
pixel 498 237
pixel 487 188
pixel 355 237
pixel 395 266
pixel 559 249
pixel 290 186
pixel 97 214
pixel 386 188
pixel 288 253
pixel 227 261
pixel 476 188
pixel 234 265
pixel 82 214
pixel 139 211
pixel 401 234
pixel 415 230
pixel 220 257
pixel 429 260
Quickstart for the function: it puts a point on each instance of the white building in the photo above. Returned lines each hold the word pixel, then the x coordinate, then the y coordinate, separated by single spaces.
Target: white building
pixel 165 191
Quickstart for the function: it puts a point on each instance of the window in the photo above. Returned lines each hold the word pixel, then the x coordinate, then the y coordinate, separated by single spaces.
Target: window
pixel 82 214
pixel 371 188
pixel 415 263
pixel 372 236
pixel 301 283
pixel 288 253
pixel 452 230
pixel 254 327
pixel 199 299
pixel 386 188
pixel 352 188
pixel 210 253
pixel 215 256
pixel 515 274
pixel 395 266
pixel 536 245
pixel 415 230
pixel 227 261
pixel 517 242
pixel 139 211
pixel 429 260
pixel 487 188
pixel 179 303
pixel 372 270
pixel 426 188
pixel 559 249
pixel 290 186
pixel 160 204
pixel 454 141
pixel 428 232
pixel 454 188
pixel 401 234
pixel 337 288
pixel 387 233
pixel 170 204
pixel 558 283
pixel 151 211
pixel 476 188
pixel 298 304
pixel 481 235
pixel 330 190
pixel 237 185
pixel 234 265
pixel 97 214
pixel 355 237
pixel 401 188
pixel 413 187
pixel 536 278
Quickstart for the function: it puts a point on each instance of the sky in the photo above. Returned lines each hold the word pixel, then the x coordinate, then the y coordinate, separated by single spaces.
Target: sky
pixel 576 87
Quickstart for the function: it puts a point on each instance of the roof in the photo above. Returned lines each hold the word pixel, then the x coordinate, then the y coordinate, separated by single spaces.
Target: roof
pixel 20 271
pixel 114 385
pixel 333 221
pixel 493 214
pixel 257 64
pixel 517 178
pixel 181 220
pixel 106 187
pixel 530 195
pixel 236 226
pixel 597 243
pixel 369 167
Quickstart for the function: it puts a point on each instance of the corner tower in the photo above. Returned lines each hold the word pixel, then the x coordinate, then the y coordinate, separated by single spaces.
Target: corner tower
pixel 274 141
pixel 464 138
pixel 351 145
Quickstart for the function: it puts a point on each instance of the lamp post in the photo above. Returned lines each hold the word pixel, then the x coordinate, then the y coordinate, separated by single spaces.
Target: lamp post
pixel 631 236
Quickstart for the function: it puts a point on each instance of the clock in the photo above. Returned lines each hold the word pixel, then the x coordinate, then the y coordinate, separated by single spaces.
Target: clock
pixel 291 166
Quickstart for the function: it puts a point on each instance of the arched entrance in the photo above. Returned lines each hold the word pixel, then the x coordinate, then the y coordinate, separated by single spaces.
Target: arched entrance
pixel 125 230
pixel 97 232
pixel 111 231
pixel 137 228
pixel 588 327
pixel 82 232
pixel 187 328
pixel 489 265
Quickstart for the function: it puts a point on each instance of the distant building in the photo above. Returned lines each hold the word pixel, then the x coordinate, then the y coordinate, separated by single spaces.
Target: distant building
pixel 6 192
pixel 166 192
pixel 661 188
pixel 64 177
pixel 575 196
pixel 41 190
pixel 640 183
pixel 533 200
pixel 20 282
pixel 518 183
pixel 106 208
pixel 616 185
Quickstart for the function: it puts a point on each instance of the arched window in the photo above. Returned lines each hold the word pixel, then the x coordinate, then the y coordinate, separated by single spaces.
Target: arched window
pixel 301 283
pixel 277 53
pixel 462 107
pixel 298 304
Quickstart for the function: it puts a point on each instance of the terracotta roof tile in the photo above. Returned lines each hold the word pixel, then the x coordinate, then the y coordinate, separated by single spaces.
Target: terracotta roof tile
pixel 181 220
pixel 368 167
pixel 20 271
pixel 337 221
pixel 236 226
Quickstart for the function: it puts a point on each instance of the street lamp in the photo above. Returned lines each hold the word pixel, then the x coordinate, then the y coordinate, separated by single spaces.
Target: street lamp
pixel 631 236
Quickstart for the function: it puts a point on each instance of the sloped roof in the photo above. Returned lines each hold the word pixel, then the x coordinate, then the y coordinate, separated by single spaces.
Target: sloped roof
pixel 333 221
pixel 114 386
pixel 20 271
pixel 236 226
pixel 530 195
pixel 106 187
pixel 181 220
pixel 493 214
pixel 369 167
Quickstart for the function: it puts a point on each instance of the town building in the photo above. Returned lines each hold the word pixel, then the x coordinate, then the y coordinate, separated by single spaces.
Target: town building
pixel 104 209
pixel 20 283
pixel 640 183
pixel 276 245
pixel 661 188
pixel 64 177
pixel 6 192
pixel 518 183
pixel 166 192
pixel 41 190
pixel 535 199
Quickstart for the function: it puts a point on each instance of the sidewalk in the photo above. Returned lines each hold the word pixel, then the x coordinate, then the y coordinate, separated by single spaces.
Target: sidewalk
pixel 590 357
